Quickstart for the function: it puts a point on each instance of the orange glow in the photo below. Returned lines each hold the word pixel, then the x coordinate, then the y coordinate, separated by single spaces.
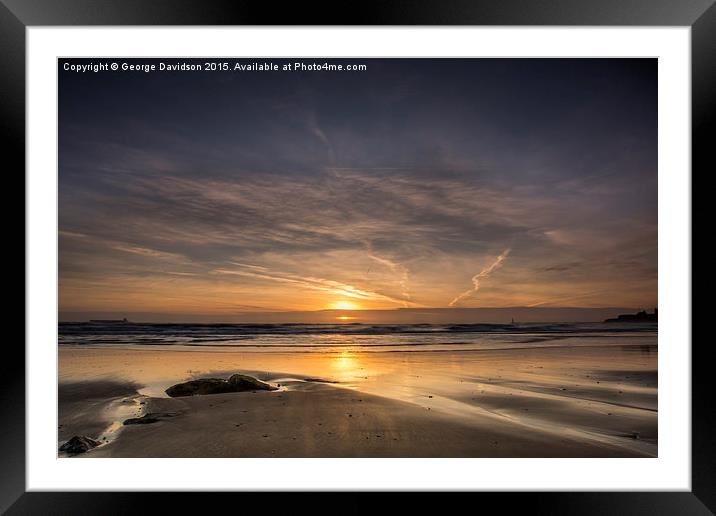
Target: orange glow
pixel 345 318
pixel 346 365
pixel 344 305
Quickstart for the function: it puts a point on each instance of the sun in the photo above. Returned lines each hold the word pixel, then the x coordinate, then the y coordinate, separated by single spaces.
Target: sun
pixel 344 305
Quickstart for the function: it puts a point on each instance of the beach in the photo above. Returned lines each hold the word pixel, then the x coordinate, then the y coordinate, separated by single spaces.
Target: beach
pixel 562 396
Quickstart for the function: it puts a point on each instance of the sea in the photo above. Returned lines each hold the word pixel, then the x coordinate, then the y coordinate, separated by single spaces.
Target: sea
pixel 354 337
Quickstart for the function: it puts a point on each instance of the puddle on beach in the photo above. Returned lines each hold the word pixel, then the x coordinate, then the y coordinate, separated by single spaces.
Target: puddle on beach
pixel 114 412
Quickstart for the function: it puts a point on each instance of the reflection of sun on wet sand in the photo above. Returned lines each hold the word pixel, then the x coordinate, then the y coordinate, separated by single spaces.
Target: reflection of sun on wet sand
pixel 550 402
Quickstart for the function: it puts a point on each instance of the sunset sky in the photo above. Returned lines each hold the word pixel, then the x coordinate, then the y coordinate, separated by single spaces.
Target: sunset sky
pixel 417 183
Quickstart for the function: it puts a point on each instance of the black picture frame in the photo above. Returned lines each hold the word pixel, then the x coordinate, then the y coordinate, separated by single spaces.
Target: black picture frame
pixel 16 15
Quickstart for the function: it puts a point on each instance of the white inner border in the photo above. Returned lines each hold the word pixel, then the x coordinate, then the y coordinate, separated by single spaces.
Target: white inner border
pixel 670 471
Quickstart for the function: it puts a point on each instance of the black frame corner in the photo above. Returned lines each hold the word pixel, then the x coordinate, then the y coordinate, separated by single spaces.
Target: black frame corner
pixel 700 15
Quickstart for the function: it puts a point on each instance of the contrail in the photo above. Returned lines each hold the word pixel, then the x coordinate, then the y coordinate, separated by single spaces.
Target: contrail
pixel 569 298
pixel 483 274
pixel 310 282
pixel 395 267
pixel 318 133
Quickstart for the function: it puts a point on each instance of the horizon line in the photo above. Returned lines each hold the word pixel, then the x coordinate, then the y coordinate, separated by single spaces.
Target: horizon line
pixel 397 309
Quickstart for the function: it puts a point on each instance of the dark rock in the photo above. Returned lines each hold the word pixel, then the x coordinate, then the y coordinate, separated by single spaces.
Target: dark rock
pixel 144 420
pixel 79 444
pixel 148 418
pixel 236 383
pixel 241 382
pixel 195 387
pixel 319 380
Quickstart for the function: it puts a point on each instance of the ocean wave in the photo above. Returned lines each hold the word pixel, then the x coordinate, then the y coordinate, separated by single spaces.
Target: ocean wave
pixel 332 335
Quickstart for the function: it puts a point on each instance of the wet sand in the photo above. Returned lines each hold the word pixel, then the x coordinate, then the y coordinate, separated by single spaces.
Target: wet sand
pixel 548 402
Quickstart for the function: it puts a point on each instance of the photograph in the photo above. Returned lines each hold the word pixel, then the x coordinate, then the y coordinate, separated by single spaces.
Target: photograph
pixel 357 257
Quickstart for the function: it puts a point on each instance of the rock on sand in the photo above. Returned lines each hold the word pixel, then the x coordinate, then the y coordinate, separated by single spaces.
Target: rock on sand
pixel 236 383
pixel 79 444
pixel 149 418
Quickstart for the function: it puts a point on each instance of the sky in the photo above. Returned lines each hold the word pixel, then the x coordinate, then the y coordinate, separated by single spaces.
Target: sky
pixel 416 183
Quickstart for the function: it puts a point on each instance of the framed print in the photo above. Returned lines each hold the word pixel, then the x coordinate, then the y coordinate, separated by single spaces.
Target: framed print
pixel 422 249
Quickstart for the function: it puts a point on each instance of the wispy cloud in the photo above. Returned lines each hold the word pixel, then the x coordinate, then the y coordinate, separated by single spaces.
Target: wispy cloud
pixel 396 268
pixel 145 251
pixel 313 283
pixel 567 298
pixel 71 234
pixel 330 223
pixel 483 274
pixel 316 130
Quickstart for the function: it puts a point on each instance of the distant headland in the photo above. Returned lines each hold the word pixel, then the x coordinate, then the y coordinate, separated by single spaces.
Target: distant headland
pixel 642 316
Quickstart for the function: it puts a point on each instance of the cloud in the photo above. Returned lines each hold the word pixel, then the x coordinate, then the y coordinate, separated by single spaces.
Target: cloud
pixel 483 274
pixel 396 268
pixel 313 283
pixel 143 251
pixel 330 223
pixel 568 298
pixel 561 267
pixel 71 234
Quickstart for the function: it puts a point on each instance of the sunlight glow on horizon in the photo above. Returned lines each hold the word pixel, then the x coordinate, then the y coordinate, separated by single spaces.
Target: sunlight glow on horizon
pixel 344 305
